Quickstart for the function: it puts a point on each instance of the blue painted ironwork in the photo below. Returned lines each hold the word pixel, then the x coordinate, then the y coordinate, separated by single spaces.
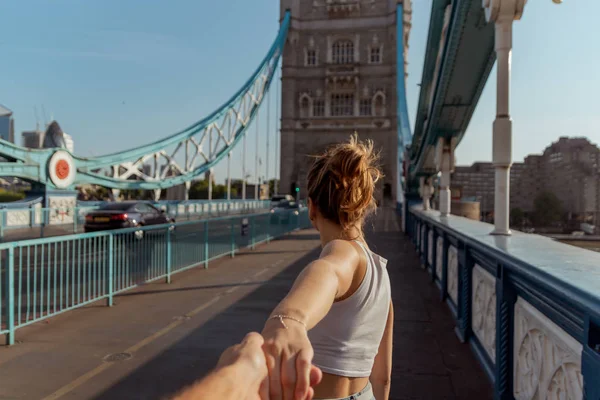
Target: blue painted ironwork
pixel 448 99
pixel 41 278
pixel 428 78
pixel 558 281
pixel 168 162
pixel 404 132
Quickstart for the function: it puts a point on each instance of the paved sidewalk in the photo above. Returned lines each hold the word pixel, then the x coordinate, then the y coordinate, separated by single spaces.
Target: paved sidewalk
pixel 175 333
pixel 429 360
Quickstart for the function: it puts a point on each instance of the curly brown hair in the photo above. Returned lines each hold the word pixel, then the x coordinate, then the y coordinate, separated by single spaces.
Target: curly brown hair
pixel 341 182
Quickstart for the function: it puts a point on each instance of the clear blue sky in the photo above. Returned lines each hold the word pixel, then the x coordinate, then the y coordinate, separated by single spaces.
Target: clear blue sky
pixel 116 74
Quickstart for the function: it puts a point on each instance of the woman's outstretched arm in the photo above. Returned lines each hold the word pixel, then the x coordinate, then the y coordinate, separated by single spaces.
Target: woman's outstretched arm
pixel 287 348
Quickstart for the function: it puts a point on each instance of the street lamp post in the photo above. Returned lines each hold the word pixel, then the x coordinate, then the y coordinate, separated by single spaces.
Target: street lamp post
pixel 256 154
pixel 244 168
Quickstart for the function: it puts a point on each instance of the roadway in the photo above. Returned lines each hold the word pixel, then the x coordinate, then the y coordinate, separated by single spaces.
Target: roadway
pixel 159 338
pixel 14 234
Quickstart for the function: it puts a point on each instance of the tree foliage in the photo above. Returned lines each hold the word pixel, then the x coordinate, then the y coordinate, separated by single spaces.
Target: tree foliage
pixel 547 209
pixel 517 217
pixel 272 186
pixel 7 196
pixel 199 190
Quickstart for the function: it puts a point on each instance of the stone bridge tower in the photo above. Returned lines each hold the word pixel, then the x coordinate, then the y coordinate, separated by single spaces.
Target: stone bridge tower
pixel 339 77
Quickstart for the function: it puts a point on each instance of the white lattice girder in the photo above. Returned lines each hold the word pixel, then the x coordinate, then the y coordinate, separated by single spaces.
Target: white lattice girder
pixel 184 158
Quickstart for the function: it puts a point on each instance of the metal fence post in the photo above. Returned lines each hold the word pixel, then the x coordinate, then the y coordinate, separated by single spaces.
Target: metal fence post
pixel 168 280
pixel 252 230
pixel 206 244
pixel 45 220
pixel 10 294
pixel 109 300
pixel 232 238
pixel 75 216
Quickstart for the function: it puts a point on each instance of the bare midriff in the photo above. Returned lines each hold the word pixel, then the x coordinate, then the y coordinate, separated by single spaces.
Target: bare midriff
pixel 335 386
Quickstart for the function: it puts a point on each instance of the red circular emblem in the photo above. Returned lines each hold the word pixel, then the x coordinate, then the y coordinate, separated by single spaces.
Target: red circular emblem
pixel 62 169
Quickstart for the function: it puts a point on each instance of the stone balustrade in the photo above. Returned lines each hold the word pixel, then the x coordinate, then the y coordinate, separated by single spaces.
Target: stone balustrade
pixel 528 306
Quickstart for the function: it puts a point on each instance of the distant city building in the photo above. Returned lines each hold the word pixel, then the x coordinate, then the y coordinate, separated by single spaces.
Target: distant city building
pixel 69 144
pixel 37 139
pixel 476 182
pixel 7 125
pixel 263 190
pixel 33 139
pixel 568 168
pixel 54 137
pixel 530 185
pixel 571 171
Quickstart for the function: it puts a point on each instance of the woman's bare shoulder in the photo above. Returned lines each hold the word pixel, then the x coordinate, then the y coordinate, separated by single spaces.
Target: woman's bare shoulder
pixel 341 249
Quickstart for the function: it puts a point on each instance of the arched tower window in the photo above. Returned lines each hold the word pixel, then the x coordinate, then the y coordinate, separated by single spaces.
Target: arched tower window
pixel 379 104
pixel 305 106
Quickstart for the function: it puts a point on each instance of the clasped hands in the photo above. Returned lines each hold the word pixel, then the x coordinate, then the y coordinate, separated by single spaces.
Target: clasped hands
pixel 278 363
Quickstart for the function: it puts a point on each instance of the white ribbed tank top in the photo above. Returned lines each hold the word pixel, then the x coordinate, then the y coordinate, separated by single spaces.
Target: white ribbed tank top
pixel 346 341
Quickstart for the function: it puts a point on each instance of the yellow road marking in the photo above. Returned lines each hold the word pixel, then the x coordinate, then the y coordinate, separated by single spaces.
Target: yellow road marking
pixel 259 273
pixel 77 382
pixel 136 347
pixel 144 342
pixel 232 289
pixel 170 327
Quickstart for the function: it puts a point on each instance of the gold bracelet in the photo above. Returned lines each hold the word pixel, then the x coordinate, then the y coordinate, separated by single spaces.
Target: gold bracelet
pixel 281 317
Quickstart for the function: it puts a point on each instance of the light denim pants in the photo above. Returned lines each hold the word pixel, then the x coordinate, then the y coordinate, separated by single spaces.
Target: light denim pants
pixel 365 394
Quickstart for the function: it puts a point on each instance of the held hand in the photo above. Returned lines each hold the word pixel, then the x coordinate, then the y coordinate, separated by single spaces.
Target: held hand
pixel 288 354
pixel 249 360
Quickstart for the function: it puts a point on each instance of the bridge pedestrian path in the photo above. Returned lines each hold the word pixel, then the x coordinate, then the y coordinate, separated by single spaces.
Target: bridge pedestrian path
pixel 161 337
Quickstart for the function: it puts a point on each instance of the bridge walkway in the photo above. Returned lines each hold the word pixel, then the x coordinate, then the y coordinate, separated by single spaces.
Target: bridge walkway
pixel 175 333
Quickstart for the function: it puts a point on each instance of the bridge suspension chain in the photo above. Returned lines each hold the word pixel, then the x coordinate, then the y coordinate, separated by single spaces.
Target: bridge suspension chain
pixel 169 162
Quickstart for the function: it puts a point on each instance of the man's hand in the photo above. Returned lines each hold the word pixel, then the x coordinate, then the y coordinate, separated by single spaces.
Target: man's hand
pixel 238 374
pixel 247 361
pixel 241 373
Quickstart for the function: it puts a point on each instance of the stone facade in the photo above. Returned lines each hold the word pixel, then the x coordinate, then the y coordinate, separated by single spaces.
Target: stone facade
pixel 476 182
pixel 569 168
pixel 571 171
pixel 339 77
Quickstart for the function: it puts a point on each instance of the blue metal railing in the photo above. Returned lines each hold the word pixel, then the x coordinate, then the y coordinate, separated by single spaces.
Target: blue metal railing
pixel 41 278
pixel 528 306
pixel 67 220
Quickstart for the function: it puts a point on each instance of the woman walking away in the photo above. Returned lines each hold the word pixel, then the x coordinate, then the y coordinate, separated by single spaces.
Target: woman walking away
pixel 340 303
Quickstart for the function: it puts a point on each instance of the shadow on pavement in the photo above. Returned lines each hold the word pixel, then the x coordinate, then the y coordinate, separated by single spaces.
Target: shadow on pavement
pixel 269 252
pixel 429 361
pixel 299 237
pixel 185 289
pixel 196 354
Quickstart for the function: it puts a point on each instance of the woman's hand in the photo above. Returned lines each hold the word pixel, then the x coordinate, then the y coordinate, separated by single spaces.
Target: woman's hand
pixel 288 354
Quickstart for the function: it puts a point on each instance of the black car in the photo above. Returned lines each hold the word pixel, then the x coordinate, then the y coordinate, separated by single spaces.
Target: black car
pixel 128 214
pixel 278 198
